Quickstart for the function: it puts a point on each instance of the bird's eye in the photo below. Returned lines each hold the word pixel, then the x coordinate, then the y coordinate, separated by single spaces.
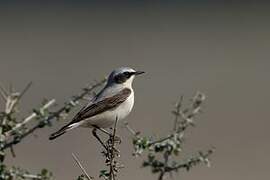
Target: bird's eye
pixel 127 74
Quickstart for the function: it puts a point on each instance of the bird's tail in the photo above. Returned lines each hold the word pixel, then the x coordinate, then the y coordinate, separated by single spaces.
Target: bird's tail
pixel 63 130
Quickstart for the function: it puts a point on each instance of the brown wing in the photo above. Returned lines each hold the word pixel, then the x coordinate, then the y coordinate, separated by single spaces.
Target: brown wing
pixel 106 104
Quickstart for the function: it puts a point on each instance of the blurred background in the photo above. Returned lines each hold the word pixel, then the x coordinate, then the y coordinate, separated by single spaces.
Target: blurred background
pixel 217 47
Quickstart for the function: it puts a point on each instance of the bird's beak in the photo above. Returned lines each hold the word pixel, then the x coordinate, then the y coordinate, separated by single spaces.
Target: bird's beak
pixel 138 72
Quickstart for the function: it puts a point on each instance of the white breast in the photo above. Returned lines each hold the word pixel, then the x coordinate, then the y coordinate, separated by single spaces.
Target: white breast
pixel 125 108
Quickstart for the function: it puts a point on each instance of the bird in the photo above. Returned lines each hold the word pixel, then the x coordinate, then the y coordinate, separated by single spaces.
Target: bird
pixel 114 102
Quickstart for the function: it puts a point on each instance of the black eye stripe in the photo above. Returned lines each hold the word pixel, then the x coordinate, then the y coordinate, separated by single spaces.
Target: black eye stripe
pixel 129 73
pixel 123 77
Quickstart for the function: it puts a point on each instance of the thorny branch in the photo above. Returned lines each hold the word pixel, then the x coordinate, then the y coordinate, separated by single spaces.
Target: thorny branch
pixel 111 153
pixel 15 173
pixel 29 118
pixel 172 144
pixel 44 117
pixel 13 131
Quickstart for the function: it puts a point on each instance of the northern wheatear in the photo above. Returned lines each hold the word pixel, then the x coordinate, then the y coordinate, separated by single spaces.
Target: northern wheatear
pixel 114 101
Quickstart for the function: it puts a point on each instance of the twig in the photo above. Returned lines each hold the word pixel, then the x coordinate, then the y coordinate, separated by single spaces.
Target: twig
pixel 46 120
pixel 29 118
pixel 27 87
pixel 81 167
pixel 32 176
pixel 134 133
pixel 171 145
pixel 203 157
pixel 160 140
pixel 177 112
pixel 112 155
pixel 3 93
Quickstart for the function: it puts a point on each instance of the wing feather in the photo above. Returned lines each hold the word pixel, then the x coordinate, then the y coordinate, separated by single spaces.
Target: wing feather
pixel 106 104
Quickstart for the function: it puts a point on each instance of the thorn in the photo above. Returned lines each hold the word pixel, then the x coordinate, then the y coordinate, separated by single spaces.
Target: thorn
pixel 10 88
pixel 12 151
pixel 25 89
pixel 3 93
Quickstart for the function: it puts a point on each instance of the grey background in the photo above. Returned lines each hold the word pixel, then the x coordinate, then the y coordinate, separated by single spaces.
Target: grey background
pixel 221 49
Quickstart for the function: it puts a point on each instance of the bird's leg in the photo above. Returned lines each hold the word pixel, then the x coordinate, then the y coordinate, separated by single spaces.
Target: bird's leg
pixel 102 130
pixel 116 138
pixel 94 132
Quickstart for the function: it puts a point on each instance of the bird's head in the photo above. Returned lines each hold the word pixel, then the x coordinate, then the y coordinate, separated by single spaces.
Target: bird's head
pixel 124 76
